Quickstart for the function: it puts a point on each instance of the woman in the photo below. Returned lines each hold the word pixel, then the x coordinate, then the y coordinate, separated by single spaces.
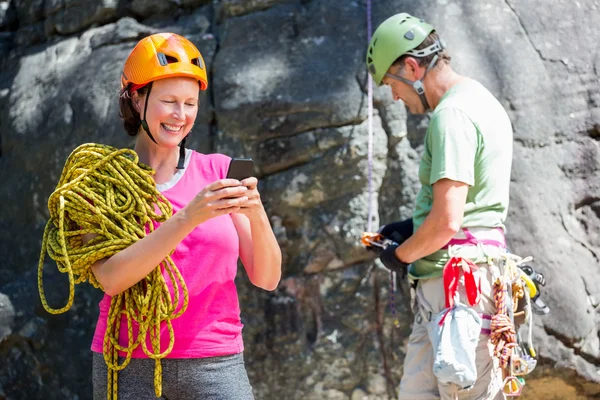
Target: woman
pixel 215 221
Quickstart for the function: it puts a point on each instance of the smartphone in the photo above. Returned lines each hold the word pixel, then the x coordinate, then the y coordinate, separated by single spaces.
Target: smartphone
pixel 240 168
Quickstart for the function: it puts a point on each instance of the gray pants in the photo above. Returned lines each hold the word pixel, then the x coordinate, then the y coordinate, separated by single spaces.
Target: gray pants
pixel 216 378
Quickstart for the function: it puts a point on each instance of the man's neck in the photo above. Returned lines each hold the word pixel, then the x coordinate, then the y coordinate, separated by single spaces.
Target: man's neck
pixel 438 81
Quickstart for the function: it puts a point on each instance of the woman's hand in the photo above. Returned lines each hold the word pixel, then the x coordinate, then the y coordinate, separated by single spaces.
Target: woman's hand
pixel 259 250
pixel 221 197
pixel 253 207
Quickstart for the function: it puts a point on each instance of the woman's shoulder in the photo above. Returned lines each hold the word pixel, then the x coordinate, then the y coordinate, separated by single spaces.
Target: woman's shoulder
pixel 215 162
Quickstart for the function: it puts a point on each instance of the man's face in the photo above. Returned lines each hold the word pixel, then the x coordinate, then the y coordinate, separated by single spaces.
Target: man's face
pixel 403 91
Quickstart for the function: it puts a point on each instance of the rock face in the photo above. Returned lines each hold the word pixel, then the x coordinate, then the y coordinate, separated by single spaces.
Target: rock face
pixel 288 88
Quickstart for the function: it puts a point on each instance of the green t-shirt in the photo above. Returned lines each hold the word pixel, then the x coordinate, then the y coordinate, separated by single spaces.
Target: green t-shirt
pixel 469 139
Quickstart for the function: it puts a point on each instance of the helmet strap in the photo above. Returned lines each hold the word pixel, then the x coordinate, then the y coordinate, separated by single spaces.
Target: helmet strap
pixel 180 163
pixel 181 154
pixel 418 84
pixel 144 123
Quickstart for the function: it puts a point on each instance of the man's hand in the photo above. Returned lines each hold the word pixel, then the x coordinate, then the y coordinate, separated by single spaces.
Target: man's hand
pixel 397 231
pixel 391 262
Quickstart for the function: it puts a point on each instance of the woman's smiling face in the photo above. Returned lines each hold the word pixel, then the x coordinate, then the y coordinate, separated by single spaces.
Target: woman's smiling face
pixel 172 109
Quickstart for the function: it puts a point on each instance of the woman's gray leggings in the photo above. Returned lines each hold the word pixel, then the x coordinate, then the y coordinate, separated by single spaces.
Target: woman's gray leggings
pixel 216 378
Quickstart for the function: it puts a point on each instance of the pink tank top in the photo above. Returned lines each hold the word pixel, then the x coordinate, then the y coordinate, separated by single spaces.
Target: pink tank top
pixel 207 259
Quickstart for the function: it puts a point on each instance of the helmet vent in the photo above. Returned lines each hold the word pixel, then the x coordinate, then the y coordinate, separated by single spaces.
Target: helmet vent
pixel 197 62
pixel 370 60
pixel 164 59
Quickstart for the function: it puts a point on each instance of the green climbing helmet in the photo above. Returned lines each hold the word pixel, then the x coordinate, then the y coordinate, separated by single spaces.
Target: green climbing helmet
pixel 396 36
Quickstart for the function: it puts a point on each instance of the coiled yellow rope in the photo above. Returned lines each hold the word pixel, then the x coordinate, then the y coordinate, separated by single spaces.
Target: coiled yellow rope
pixel 107 192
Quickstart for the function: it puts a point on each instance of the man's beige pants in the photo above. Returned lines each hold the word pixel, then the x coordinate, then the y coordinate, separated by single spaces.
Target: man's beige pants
pixel 418 381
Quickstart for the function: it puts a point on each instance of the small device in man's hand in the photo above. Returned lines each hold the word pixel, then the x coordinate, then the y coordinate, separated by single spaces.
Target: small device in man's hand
pixel 240 168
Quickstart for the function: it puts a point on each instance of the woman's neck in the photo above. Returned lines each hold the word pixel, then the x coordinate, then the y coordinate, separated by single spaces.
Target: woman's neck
pixel 162 160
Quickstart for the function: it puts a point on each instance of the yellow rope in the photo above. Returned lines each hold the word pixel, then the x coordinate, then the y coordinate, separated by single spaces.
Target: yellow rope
pixel 107 192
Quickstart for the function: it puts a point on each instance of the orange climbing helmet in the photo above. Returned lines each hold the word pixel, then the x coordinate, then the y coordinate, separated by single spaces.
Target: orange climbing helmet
pixel 163 55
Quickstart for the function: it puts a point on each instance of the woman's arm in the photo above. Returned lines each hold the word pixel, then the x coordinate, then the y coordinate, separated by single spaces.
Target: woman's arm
pixel 124 269
pixel 259 250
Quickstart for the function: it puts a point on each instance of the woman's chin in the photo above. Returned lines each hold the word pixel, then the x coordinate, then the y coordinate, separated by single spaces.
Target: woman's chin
pixel 168 143
pixel 170 140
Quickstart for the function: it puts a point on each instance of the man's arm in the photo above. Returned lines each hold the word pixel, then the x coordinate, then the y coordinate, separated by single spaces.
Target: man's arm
pixel 442 223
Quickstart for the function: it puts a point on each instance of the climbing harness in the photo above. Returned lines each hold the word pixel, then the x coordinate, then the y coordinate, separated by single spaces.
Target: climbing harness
pixel 108 192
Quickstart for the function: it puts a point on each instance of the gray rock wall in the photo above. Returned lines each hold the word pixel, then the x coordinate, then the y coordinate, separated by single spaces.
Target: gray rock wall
pixel 288 88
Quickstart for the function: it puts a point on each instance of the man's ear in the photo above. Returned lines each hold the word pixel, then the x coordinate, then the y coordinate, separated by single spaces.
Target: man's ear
pixel 411 66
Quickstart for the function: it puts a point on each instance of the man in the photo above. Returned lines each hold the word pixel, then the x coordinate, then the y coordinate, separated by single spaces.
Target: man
pixel 463 201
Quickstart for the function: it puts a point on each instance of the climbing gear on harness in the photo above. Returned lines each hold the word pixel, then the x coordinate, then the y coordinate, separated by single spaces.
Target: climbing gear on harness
pixel 454 332
pixel 451 273
pixel 522 363
pixel 529 283
pixel 160 56
pixel 503 335
pixel 513 386
pixel 399 35
pixel 108 192
pixel 511 289
pixel 538 306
